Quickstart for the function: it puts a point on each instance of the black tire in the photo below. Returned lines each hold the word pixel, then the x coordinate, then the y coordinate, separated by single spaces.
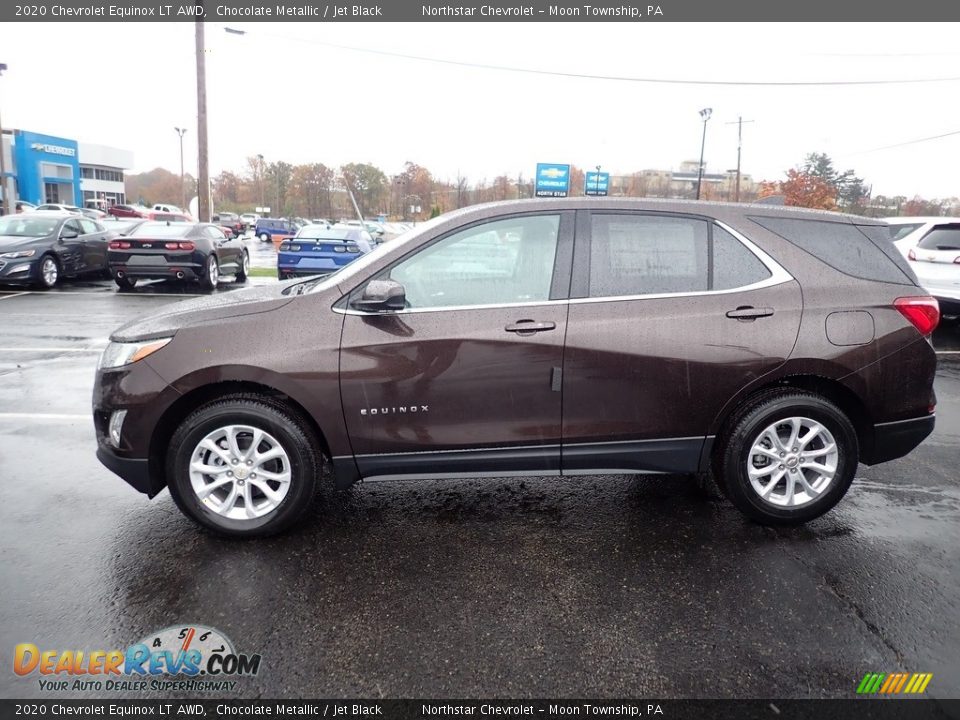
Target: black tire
pixel 264 237
pixel 288 427
pixel 211 276
pixel 42 282
pixel 242 271
pixel 125 283
pixel 733 454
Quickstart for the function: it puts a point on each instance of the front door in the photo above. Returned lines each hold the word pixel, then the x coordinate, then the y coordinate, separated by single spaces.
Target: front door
pixel 466 378
pixel 670 316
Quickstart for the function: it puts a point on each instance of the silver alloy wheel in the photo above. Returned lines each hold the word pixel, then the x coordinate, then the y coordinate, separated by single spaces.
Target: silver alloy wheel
pixel 213 271
pixel 792 462
pixel 240 472
pixel 49 271
pixel 246 263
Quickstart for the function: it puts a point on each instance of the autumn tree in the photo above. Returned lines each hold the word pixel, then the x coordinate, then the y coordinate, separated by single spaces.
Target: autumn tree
pixel 368 184
pixel 311 189
pixel 802 190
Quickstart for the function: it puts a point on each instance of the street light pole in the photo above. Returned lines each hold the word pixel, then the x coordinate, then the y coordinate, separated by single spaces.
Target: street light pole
pixel 705 114
pixel 3 164
pixel 183 189
pixel 263 200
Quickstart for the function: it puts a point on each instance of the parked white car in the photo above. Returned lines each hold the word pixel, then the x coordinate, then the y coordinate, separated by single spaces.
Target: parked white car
pixel 932 247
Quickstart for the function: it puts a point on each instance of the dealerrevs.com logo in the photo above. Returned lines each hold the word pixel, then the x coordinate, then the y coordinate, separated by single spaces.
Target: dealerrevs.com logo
pixel 183 657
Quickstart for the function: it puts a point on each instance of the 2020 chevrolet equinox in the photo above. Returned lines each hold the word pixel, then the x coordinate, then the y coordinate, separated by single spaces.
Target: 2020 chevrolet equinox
pixel 773 347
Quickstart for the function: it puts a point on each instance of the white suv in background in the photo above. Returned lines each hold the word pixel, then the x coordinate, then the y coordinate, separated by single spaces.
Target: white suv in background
pixel 932 247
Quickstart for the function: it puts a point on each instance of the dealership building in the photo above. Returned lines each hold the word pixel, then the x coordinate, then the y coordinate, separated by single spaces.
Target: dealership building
pixel 47 169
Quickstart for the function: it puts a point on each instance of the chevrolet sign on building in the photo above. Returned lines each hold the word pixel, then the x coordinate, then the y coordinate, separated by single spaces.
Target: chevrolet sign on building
pixel 54 149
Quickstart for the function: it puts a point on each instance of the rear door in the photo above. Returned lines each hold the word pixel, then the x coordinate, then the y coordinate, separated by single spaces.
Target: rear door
pixel 70 247
pixel 670 316
pixel 466 378
pixel 94 246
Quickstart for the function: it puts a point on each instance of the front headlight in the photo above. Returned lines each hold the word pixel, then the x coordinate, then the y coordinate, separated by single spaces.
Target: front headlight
pixel 117 353
pixel 18 254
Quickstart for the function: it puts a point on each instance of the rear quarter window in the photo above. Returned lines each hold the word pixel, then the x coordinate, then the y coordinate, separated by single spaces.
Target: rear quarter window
pixel 843 246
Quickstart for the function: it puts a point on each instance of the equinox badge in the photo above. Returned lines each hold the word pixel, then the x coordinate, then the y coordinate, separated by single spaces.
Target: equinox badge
pixel 395 410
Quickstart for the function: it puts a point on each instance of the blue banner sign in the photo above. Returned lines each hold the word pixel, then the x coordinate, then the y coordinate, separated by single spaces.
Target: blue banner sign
pixel 553 180
pixel 595 183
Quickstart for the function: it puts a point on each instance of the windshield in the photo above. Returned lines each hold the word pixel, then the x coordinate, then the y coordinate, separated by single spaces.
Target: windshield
pixel 898 232
pixel 27 226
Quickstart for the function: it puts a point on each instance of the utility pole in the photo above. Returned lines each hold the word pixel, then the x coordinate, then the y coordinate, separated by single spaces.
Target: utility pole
pixel 203 182
pixel 739 123
pixel 4 185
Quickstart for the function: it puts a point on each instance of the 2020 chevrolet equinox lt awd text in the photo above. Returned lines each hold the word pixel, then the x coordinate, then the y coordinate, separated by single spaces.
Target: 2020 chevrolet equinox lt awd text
pixel 773 347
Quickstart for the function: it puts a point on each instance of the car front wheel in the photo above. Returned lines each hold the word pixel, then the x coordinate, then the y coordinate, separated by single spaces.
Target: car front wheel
pixel 264 237
pixel 788 457
pixel 49 272
pixel 244 466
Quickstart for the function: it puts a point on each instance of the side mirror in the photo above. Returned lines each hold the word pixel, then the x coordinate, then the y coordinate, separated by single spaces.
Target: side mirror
pixel 381 296
pixel 69 235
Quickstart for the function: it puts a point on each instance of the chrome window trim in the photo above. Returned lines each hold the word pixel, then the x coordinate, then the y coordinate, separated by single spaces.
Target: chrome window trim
pixel 452 308
pixel 778 276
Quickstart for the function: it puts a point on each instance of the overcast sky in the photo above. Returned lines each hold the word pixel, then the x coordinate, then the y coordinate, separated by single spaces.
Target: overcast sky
pixel 278 91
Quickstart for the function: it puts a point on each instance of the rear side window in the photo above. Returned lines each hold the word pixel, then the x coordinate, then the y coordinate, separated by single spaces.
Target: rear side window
pixel 653 255
pixel 734 265
pixel 647 254
pixel 842 246
pixel 942 237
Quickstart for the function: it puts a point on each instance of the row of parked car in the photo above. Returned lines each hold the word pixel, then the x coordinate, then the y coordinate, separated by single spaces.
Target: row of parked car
pixel 42 248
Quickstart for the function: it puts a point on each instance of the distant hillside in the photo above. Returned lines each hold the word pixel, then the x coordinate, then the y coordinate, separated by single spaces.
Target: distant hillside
pixel 158 186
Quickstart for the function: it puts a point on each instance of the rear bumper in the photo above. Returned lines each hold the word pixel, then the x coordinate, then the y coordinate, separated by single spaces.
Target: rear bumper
pixel 187 271
pixel 293 272
pixel 893 440
pixel 948 305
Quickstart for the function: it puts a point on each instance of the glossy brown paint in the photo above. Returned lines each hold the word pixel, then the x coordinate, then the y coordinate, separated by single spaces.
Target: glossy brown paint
pixel 665 371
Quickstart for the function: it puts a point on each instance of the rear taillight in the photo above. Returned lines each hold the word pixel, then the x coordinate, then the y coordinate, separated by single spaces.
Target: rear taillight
pixel 284 246
pixel 922 312
pixel 911 255
pixel 170 246
pixel 119 245
pixel 186 246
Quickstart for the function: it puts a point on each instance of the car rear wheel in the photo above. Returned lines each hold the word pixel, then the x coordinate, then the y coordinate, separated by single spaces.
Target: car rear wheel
pixel 264 237
pixel 125 283
pixel 243 272
pixel 49 272
pixel 211 274
pixel 789 456
pixel 244 466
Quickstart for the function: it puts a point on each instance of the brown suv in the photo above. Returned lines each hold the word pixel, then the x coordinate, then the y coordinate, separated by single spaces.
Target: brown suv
pixel 772 347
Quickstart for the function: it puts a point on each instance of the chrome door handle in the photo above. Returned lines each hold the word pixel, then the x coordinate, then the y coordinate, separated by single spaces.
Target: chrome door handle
pixel 529 327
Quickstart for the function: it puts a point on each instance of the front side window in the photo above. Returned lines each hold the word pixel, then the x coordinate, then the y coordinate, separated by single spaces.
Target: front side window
pixel 647 254
pixel 496 263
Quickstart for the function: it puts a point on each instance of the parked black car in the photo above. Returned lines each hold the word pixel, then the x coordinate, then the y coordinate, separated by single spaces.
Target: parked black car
pixel 177 251
pixel 42 248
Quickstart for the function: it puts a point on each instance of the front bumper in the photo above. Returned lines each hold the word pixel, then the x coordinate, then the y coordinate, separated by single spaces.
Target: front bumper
pixel 893 440
pixel 20 270
pixel 135 471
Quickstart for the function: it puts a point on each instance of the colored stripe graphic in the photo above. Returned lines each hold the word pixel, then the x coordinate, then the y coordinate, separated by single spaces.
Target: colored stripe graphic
pixel 894 683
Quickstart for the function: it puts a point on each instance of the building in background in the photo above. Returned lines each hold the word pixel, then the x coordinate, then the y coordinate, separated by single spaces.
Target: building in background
pixel 49 169
pixel 682 183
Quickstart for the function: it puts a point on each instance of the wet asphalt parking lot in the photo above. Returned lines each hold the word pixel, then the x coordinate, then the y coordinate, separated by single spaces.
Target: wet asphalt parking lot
pixel 603 586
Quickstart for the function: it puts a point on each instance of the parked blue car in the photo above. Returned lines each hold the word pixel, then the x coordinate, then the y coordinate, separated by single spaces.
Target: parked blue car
pixel 320 250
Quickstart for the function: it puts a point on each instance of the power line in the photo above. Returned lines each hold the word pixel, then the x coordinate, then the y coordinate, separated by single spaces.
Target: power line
pixel 587 76
pixel 904 144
